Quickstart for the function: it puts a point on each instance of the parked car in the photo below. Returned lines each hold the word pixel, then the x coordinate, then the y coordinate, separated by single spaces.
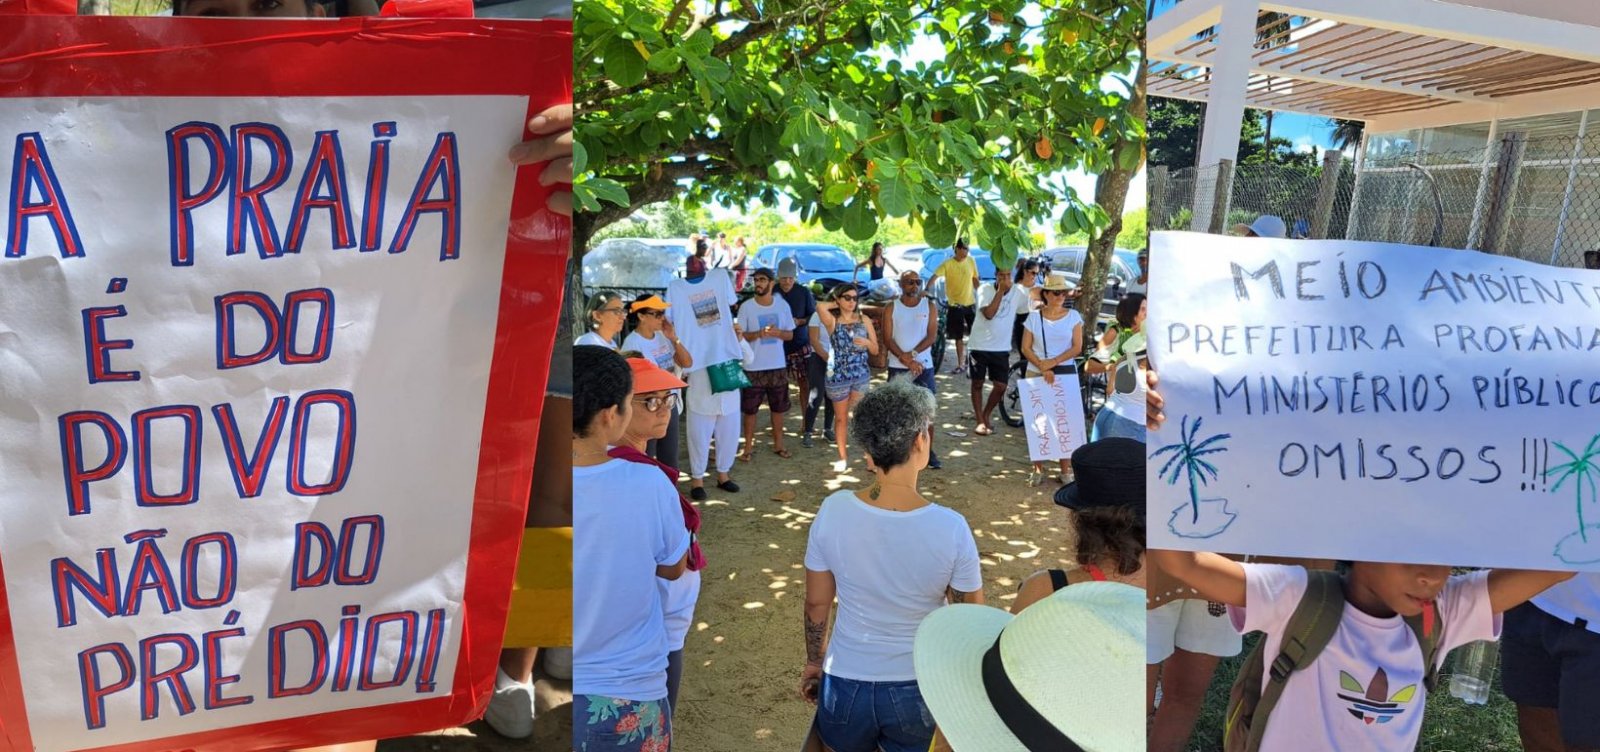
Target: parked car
pixel 933 257
pixel 904 257
pixel 819 263
pixel 634 265
pixel 1068 261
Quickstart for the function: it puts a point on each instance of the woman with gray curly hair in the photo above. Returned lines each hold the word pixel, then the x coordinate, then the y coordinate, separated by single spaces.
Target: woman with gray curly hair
pixel 891 557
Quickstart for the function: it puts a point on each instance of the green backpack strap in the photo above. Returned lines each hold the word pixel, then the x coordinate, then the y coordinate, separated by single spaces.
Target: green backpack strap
pixel 1429 630
pixel 1310 629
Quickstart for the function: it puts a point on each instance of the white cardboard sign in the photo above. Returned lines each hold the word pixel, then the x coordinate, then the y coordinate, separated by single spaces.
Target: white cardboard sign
pixel 194 528
pixel 1351 400
pixel 1052 416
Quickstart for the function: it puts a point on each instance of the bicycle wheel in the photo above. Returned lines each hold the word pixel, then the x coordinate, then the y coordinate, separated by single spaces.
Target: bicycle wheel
pixel 1011 403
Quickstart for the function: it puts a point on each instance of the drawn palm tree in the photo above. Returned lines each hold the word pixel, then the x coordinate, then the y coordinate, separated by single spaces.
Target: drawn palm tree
pixel 1186 460
pixel 1582 469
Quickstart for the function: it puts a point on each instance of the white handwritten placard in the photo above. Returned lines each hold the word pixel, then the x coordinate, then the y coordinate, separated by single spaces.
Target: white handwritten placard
pixel 1350 400
pixel 1052 417
pixel 249 355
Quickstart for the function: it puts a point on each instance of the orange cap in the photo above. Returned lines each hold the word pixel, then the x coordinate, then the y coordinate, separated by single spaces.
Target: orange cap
pixel 649 377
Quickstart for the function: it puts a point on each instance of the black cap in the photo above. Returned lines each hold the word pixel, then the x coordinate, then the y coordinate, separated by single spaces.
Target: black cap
pixel 765 271
pixel 1108 473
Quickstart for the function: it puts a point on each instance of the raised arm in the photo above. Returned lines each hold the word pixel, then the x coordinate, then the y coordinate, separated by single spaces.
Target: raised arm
pixel 1509 588
pixel 1216 577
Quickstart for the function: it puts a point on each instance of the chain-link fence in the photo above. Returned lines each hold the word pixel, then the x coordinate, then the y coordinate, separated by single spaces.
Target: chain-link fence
pixel 1535 199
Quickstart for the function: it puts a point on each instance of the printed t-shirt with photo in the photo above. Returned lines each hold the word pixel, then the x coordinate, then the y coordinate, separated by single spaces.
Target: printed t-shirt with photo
pixel 700 313
pixel 891 570
pixel 994 335
pixel 754 316
pixel 626 521
pixel 658 350
pixel 1364 691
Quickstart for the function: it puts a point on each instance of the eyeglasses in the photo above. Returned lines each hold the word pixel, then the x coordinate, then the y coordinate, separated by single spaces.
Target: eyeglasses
pixel 610 310
pixel 654 404
pixel 652 313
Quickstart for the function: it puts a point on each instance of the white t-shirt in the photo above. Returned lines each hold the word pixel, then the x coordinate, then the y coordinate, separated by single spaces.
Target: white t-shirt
pixel 1577 598
pixel 994 335
pixel 659 349
pixel 910 326
pixel 1055 335
pixel 699 314
pixel 1134 285
pixel 1364 691
pixel 626 521
pixel 700 400
pixel 777 314
pixel 815 325
pixel 891 570
pixel 677 602
pixel 593 338
pixel 1129 405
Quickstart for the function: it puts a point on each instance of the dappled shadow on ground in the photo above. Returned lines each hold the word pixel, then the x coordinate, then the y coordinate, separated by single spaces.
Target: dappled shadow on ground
pixel 552 729
pixel 744 653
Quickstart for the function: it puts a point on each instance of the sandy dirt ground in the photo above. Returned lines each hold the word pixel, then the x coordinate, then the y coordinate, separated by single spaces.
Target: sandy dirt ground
pixel 743 656
pixel 552 728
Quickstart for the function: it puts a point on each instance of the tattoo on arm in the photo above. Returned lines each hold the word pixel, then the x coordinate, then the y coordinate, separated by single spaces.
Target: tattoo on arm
pixel 960 596
pixel 814 634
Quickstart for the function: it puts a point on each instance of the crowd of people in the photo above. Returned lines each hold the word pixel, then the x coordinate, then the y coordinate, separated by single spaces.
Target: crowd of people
pixel 899 644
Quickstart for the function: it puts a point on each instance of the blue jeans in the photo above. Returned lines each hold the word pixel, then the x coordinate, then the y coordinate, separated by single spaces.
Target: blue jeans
pixel 860 716
pixel 1109 424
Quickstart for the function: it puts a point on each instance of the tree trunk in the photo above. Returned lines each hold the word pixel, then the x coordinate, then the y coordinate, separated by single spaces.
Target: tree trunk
pixel 1110 193
pixel 1266 143
pixel 94 7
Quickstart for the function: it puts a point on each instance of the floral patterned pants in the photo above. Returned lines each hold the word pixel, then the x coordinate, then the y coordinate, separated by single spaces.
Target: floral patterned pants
pixel 617 725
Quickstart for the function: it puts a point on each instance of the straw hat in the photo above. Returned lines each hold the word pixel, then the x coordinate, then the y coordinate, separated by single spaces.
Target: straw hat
pixel 1055 282
pixel 1071 664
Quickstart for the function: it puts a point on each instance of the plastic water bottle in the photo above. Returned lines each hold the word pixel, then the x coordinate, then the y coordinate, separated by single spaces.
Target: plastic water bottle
pixel 1474 671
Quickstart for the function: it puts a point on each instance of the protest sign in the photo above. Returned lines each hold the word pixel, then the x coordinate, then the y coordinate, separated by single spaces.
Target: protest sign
pixel 1349 400
pixel 276 313
pixel 1052 415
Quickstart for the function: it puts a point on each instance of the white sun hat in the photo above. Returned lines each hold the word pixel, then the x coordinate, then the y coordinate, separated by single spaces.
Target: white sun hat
pixel 1075 658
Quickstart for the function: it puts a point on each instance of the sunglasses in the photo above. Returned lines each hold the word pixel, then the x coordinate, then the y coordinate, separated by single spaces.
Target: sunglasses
pixel 1055 292
pixel 652 313
pixel 654 404
pixel 850 298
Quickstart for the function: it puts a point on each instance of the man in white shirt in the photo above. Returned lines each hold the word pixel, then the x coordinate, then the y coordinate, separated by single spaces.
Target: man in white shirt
pixel 1142 284
pixel 989 347
pixel 910 330
pixel 766 322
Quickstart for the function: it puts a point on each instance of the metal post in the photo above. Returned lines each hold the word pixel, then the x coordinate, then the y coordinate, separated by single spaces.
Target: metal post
pixel 1572 177
pixel 1497 219
pixel 1327 191
pixel 1158 195
pixel 1475 232
pixel 1352 224
pixel 1219 198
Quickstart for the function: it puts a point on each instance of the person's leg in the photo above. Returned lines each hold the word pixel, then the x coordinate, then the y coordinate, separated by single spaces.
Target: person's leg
pixel 1184 678
pixel 1531 677
pixel 997 392
pixel 674 678
pixel 813 397
pixel 700 429
pixel 1578 699
pixel 841 424
pixel 749 404
pixel 975 372
pixel 727 434
pixel 1152 677
pixel 778 406
pixel 926 381
pixel 619 725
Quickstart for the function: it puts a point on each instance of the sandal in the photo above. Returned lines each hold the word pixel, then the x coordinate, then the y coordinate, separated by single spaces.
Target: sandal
pixel 744 456
pixel 784 453
pixel 983 430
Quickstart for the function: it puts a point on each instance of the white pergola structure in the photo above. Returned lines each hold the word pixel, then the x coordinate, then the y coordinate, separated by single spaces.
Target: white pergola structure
pixel 1397 65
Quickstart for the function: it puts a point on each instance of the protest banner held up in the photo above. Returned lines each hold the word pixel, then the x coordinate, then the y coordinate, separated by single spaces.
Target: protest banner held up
pixel 1052 417
pixel 1374 401
pixel 276 314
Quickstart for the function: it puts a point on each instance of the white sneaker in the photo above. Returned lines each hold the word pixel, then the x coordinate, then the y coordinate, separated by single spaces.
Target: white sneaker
pixel 510 711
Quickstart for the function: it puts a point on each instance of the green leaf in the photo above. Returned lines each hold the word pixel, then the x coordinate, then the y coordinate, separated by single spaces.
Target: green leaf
pixel 665 61
pixel 838 192
pixel 606 189
pixel 699 44
pixel 894 195
pixel 939 229
pixel 623 65
pixel 859 221
pixel 580 158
